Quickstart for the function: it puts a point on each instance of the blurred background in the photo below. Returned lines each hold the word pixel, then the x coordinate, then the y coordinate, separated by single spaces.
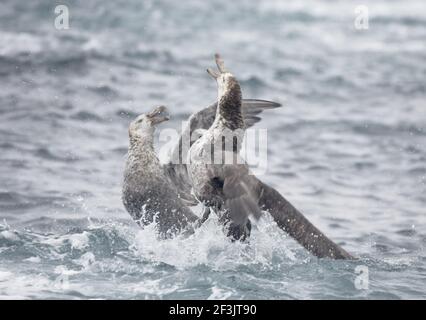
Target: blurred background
pixel 347 148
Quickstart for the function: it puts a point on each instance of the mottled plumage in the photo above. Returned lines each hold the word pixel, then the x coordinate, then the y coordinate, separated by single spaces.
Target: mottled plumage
pixel 148 194
pixel 199 122
pixel 235 193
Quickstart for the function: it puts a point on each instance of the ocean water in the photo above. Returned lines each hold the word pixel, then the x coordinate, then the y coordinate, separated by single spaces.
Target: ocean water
pixel 348 148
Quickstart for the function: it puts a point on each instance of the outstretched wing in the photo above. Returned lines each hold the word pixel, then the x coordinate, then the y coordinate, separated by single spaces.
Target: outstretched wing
pixel 297 225
pixel 202 120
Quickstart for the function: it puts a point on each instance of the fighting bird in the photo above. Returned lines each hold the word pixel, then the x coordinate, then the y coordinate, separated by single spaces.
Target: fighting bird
pixel 230 189
pixel 153 193
pixel 148 194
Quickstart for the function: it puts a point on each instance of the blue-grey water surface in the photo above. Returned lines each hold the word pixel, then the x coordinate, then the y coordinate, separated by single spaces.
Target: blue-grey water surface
pixel 348 148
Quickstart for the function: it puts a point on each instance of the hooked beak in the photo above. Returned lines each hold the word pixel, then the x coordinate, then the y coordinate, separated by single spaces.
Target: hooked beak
pixel 213 73
pixel 159 114
pixel 220 65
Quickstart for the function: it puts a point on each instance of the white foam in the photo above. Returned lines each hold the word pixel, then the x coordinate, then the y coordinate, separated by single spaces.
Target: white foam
pixel 86 260
pixel 154 287
pixel 220 294
pixel 23 286
pixel 210 246
pixel 79 240
pixel 33 259
pixel 9 235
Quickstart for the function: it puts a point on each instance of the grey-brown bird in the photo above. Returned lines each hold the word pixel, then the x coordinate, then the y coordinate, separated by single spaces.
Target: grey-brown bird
pixel 230 189
pixel 153 193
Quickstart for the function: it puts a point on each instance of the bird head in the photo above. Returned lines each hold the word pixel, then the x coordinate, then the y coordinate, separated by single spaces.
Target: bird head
pixel 146 122
pixel 225 80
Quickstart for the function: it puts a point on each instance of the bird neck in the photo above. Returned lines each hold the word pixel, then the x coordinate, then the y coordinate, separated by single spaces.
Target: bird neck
pixel 141 143
pixel 228 112
pixel 141 158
